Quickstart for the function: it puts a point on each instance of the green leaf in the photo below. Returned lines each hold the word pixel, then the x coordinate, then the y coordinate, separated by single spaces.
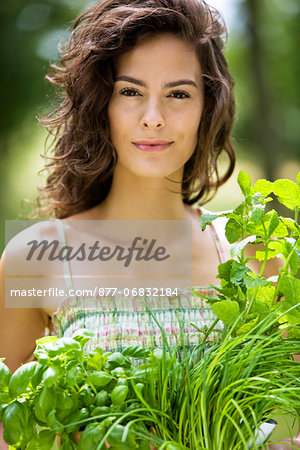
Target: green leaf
pixel 136 351
pixel 233 231
pixel 67 442
pixel 116 359
pixel 37 376
pixel 227 311
pixel 43 440
pixel 237 248
pixel 273 224
pixel 67 403
pixel 298 178
pixel 263 186
pixel 52 421
pixel 248 326
pixel 288 193
pixel 86 396
pixel 261 254
pixel 258 229
pixel 206 219
pixel 21 378
pixel 294 262
pixel 257 213
pixel 74 375
pixel 5 376
pixel 252 281
pixel 82 336
pixel 259 308
pixel 244 181
pixel 119 395
pixel 291 224
pixel 237 273
pixel 46 340
pixel 224 270
pixel 91 437
pixel 99 379
pixel 290 288
pixel 95 360
pixel 52 375
pixel 119 440
pixel 73 421
pixel 45 403
pixel 14 420
pixel 265 294
pixel 65 346
pixel 102 398
pixel 294 333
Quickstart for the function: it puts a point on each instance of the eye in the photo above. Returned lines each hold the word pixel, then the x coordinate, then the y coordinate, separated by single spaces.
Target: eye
pixel 129 92
pixel 179 94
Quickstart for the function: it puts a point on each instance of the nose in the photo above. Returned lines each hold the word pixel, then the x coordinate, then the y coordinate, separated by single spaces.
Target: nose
pixel 152 117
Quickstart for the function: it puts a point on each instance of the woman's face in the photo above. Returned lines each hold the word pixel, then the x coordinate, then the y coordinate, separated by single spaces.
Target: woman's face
pixel 156 106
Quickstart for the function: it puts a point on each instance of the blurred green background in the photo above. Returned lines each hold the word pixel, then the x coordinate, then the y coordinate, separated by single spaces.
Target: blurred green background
pixel 264 57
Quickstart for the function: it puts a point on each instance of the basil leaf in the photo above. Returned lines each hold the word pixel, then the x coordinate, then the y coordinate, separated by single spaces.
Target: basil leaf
pixel 21 379
pixel 43 440
pixel 91 437
pixel 13 423
pixel 99 378
pixel 45 403
pixel 5 376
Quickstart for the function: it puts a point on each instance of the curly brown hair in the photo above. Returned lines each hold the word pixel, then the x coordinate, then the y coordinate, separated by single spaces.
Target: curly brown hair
pixel 82 167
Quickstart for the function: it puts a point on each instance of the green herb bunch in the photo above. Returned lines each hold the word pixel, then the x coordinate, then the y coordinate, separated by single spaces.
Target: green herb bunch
pixel 243 293
pixel 213 397
pixel 65 391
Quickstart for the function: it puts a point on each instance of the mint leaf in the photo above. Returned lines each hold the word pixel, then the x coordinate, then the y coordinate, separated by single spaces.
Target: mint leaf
pixel 257 213
pixel 291 224
pixel 237 248
pixel 206 219
pixel 263 186
pixel 273 224
pixel 265 294
pixel 224 270
pixel 290 288
pixel 227 311
pixel 261 254
pixel 244 181
pixel 288 193
pixel 252 281
pixel 237 273
pixel 233 231
pixel 247 327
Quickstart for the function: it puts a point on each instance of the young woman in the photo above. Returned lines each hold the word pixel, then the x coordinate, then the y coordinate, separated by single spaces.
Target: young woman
pixel 147 110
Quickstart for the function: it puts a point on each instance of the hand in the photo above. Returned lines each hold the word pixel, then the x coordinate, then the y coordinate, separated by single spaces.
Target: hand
pixel 286 444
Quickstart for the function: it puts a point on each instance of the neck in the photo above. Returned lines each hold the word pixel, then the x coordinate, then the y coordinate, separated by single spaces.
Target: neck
pixel 143 198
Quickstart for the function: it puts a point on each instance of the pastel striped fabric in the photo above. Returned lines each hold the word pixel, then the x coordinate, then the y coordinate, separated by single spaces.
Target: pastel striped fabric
pixel 120 321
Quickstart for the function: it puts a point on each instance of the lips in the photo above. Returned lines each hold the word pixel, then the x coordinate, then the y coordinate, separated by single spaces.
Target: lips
pixel 152 145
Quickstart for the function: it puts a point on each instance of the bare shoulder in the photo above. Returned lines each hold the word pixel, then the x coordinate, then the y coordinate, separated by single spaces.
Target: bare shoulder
pixel 19 327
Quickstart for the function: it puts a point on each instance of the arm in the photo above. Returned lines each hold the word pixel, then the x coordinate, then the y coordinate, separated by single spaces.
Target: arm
pixel 19 328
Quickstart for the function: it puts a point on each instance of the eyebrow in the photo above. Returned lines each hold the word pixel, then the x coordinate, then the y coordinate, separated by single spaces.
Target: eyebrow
pixel 167 85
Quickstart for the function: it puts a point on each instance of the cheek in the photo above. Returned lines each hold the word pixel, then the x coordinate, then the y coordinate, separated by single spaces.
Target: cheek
pixel 115 122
